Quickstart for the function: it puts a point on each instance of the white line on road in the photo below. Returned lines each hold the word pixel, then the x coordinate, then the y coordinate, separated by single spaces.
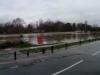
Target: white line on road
pixel 95 53
pixel 13 67
pixel 67 68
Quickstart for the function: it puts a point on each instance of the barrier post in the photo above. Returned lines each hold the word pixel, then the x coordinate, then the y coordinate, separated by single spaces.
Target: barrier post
pixel 28 53
pixel 66 45
pixel 51 49
pixel 80 42
pixel 15 56
pixel 89 40
pixel 43 50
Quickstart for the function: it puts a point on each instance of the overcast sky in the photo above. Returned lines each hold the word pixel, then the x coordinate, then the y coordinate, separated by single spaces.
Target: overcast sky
pixel 63 10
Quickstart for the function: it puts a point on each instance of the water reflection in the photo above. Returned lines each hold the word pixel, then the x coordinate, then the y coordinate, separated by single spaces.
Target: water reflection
pixel 50 37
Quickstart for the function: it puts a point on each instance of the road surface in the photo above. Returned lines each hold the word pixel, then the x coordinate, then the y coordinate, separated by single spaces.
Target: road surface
pixel 77 60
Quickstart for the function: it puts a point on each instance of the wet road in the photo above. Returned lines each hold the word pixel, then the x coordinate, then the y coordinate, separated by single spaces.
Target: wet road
pixel 77 60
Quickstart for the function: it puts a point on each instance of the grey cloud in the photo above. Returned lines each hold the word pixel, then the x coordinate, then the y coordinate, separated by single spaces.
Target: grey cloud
pixel 64 10
pixel 6 18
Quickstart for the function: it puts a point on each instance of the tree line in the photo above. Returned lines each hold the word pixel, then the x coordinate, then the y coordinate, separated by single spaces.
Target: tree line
pixel 18 26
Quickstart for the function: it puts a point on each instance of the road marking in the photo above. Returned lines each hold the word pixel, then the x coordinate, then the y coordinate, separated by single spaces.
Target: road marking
pixel 14 67
pixel 95 53
pixel 68 68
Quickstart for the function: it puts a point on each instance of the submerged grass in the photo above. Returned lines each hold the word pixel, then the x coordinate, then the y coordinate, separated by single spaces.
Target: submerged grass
pixel 58 46
pixel 26 45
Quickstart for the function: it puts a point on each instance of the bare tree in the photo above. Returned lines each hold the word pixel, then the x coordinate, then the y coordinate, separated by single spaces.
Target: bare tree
pixel 18 21
pixel 85 24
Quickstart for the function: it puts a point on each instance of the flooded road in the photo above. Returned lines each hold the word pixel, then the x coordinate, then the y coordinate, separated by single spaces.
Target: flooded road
pixel 48 38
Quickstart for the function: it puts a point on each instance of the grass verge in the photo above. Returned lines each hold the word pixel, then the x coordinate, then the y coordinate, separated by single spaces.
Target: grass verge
pixel 30 45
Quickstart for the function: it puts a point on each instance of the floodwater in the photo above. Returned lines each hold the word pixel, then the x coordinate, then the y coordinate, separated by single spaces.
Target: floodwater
pixel 48 38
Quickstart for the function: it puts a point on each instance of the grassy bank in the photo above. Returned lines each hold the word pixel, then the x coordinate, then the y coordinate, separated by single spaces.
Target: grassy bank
pixel 58 46
pixel 16 44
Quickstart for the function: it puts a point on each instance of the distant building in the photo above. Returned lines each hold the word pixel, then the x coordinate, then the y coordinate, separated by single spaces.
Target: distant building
pixel 39 31
pixel 78 31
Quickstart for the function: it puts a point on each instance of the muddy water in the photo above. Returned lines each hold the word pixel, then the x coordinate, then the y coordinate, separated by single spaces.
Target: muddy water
pixel 48 38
